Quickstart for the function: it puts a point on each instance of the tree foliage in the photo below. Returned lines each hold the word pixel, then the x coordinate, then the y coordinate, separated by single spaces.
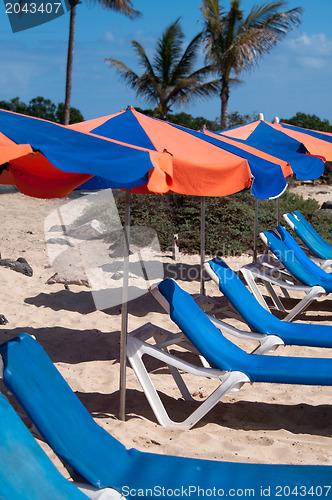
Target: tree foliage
pixel 170 79
pixel 41 108
pixel 309 121
pixel 234 43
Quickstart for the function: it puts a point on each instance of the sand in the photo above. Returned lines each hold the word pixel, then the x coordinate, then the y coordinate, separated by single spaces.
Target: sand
pixel 262 423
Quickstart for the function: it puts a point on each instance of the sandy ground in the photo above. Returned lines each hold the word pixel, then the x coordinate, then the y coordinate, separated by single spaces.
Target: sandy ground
pixel 319 192
pixel 262 423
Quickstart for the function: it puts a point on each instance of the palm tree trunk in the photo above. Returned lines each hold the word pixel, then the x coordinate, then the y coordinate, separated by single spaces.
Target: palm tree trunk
pixel 224 96
pixel 163 109
pixel 69 74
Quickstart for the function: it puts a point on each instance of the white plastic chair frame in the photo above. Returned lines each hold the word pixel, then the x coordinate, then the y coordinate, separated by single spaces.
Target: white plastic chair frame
pixel 137 347
pixel 267 343
pixel 264 269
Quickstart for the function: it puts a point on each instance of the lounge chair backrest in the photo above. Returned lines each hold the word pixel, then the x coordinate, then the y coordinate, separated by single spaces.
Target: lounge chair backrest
pixel 297 217
pixel 25 470
pixel 285 248
pixel 243 301
pixel 308 234
pixel 80 442
pixel 58 414
pixel 198 328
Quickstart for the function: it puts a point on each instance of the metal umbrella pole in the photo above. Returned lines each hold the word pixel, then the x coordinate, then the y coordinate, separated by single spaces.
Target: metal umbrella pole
pixel 278 211
pixel 202 287
pixel 255 230
pixel 124 311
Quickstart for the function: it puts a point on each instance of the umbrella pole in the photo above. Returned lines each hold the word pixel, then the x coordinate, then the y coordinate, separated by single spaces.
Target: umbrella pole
pixel 255 230
pixel 278 211
pixel 202 288
pixel 124 311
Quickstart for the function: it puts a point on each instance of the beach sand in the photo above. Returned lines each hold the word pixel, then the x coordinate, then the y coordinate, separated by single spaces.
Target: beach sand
pixel 262 423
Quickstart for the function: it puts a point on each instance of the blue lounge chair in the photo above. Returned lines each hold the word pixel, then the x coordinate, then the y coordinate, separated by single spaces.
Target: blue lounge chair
pixel 231 365
pixel 103 461
pixel 292 269
pixel 25 470
pixel 273 331
pixel 310 237
pixel 295 260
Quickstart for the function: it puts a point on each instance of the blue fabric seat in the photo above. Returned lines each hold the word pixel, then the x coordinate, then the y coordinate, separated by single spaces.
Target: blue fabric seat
pixel 225 355
pixel 25 470
pixel 102 460
pixel 261 320
pixel 308 234
pixel 295 260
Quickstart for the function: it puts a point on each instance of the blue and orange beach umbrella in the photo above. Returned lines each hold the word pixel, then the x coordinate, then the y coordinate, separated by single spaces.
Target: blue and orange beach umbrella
pixel 285 139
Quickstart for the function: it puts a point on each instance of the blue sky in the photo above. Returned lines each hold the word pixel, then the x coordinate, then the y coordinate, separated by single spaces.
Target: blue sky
pixel 295 76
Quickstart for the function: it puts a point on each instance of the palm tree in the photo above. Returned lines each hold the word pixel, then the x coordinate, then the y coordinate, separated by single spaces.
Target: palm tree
pixel 233 43
pixel 123 6
pixel 170 79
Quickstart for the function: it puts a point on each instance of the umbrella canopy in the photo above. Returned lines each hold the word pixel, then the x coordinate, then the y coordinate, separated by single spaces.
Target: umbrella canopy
pixel 10 150
pixel 317 143
pixel 63 159
pixel 201 165
pixel 271 139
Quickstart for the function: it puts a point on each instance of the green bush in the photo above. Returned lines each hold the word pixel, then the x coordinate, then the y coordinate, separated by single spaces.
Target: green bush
pixel 229 219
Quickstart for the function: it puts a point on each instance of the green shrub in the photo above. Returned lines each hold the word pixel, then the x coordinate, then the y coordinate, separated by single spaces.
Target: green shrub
pixel 229 219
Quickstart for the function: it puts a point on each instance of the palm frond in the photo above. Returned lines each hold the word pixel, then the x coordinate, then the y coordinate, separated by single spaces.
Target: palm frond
pixel 144 60
pixel 202 73
pixel 212 14
pixel 221 30
pixel 252 43
pixel 148 87
pixel 283 22
pixel 243 42
pixel 126 74
pixel 123 6
pixel 168 50
pixel 187 61
pixel 186 91
pixel 171 77
pixel 267 16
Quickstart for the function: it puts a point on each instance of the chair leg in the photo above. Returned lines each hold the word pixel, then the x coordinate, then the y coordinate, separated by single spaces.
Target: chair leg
pixel 229 381
pixel 314 294
pixel 253 287
pixel 277 302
